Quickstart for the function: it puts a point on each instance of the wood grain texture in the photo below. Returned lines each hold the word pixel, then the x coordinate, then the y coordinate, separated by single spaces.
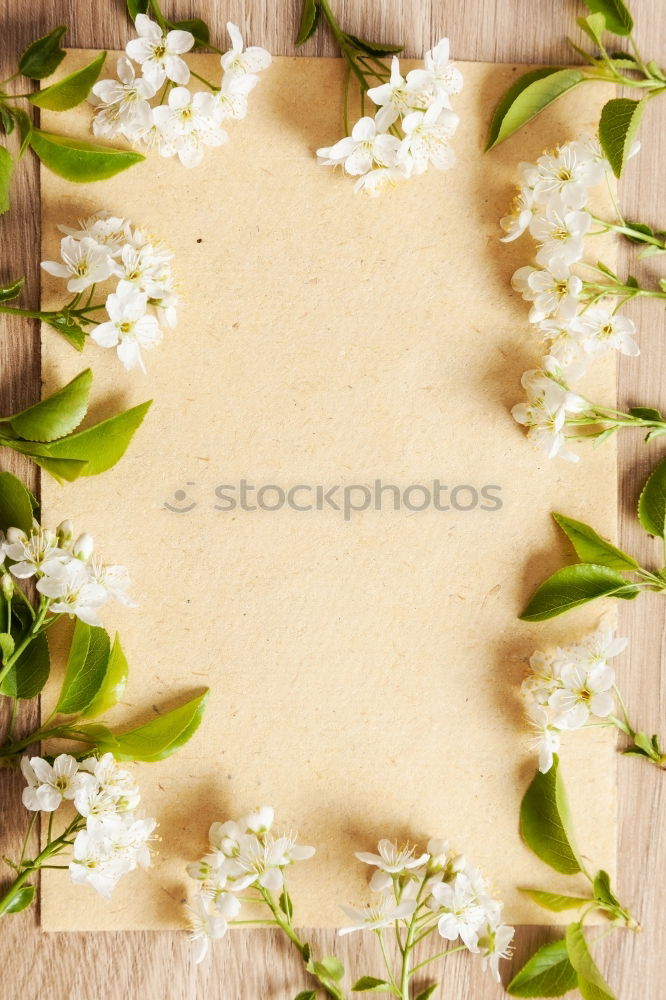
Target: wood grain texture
pixel 258 964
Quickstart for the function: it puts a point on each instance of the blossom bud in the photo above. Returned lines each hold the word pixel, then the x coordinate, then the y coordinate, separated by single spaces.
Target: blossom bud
pixel 65 532
pixel 7 586
pixel 83 547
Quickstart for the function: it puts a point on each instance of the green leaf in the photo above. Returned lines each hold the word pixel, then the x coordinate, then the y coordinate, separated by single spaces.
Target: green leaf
pixel 548 973
pixel 7 644
pixel 428 992
pixel 545 822
pixel 591 983
pixel 7 122
pixel 71 90
pixel 19 900
pixel 12 290
pixel 368 984
pixel 29 674
pixel 286 904
pixel 80 161
pixel 135 7
pixel 555 902
pixel 330 967
pixel 102 445
pixel 68 329
pixel 591 547
pixel 645 745
pixel 652 502
pixel 160 737
pixel 573 586
pixel 603 892
pixel 196 27
pixel 62 469
pixel 594 26
pixel 618 125
pixel 374 48
pixel 618 19
pixel 15 504
pixel 56 415
pixel 113 685
pixel 43 56
pixel 645 413
pixel 309 21
pixel 306 995
pixel 527 97
pixel 86 668
pixel 6 171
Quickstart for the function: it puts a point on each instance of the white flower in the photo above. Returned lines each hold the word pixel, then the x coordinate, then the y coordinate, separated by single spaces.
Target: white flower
pixel 601 330
pixel 114 580
pixel 93 863
pixel 112 231
pixel 553 292
pixel 427 135
pixel 397 97
pixel 518 220
pixel 392 858
pixel 129 328
pixel 72 592
pixel 440 75
pixel 376 180
pixel 262 860
pixel 84 261
pixel 565 343
pixel 463 914
pixel 260 821
pixel 231 99
pixel 188 124
pixel 239 60
pixel 560 232
pixel 49 784
pixel 598 647
pixel 545 412
pixel 567 173
pixel 107 782
pixel 380 914
pixel 494 944
pixel 584 692
pixel 123 106
pixel 35 554
pixel 204 927
pixel 160 54
pixel 545 737
pixel 126 837
pixel 364 148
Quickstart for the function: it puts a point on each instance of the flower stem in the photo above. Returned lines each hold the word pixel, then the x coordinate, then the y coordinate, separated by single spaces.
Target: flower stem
pixel 284 923
pixel 36 625
pixel 628 230
pixel 29 867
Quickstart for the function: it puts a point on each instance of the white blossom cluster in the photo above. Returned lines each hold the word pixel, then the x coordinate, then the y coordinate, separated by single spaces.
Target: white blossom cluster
pixel 114 840
pixel 444 890
pixel 552 204
pixel 412 129
pixel 68 575
pixel 106 248
pixel 569 686
pixel 244 854
pixel 188 122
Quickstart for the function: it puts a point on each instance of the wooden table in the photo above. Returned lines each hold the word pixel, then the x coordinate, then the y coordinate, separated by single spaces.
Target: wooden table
pixel 258 964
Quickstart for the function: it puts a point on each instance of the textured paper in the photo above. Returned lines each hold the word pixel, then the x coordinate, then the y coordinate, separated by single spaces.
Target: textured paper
pixel 363 673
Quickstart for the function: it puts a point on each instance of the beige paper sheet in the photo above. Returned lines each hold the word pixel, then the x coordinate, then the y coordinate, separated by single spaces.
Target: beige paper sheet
pixel 363 673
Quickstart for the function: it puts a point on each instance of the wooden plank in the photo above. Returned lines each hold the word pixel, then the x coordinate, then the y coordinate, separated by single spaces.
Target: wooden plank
pixel 258 963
